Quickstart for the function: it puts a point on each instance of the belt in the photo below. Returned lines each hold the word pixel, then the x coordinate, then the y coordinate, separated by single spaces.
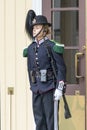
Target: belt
pixel 37 74
pixel 49 74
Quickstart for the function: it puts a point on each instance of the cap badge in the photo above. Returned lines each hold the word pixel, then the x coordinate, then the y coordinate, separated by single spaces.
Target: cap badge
pixel 34 21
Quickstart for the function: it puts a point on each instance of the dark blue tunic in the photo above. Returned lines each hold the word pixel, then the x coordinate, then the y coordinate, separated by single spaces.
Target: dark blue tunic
pixel 38 60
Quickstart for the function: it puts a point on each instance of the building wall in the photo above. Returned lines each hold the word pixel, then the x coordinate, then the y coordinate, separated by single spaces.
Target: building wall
pixel 16 109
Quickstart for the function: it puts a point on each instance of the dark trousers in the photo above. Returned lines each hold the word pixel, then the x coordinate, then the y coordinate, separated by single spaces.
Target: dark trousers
pixel 43 110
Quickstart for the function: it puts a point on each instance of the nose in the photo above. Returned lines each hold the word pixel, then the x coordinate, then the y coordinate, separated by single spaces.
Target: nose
pixel 34 30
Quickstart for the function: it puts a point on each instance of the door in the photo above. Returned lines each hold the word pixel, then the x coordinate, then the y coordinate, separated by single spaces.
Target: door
pixel 68 27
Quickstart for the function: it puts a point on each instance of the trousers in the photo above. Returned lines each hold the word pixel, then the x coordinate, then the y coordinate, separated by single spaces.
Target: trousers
pixel 43 110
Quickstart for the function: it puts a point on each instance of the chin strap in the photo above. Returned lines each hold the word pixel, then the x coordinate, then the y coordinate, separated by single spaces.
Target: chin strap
pixel 38 33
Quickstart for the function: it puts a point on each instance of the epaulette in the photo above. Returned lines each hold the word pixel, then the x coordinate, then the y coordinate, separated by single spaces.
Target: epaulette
pixel 58 48
pixel 25 52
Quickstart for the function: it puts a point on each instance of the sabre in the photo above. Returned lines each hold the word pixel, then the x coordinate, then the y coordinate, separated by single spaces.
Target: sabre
pixel 56 115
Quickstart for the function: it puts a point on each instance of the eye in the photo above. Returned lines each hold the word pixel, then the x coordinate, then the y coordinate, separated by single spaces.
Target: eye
pixel 37 27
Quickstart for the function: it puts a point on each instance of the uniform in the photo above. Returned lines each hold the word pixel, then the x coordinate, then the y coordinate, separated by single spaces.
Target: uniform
pixel 39 60
pixel 40 71
pixel 43 91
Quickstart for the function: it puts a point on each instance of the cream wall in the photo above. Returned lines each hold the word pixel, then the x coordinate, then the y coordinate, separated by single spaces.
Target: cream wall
pixel 37 6
pixel 16 109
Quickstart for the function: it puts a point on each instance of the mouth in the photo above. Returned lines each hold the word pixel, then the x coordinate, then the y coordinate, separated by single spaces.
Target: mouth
pixel 34 33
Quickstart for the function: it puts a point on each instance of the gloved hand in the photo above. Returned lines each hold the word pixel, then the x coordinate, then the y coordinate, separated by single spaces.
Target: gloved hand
pixel 58 92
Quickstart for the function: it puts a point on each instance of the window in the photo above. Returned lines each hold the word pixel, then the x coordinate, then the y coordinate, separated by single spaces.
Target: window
pixel 65 28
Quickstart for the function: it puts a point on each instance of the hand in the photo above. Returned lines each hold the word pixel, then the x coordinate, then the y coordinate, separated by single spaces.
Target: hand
pixel 57 94
pixel 59 91
pixel 61 85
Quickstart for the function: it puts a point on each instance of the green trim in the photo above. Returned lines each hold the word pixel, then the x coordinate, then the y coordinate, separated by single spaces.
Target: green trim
pixel 25 52
pixel 58 48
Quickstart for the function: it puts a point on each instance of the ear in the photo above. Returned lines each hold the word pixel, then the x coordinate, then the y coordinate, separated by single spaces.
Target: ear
pixel 45 30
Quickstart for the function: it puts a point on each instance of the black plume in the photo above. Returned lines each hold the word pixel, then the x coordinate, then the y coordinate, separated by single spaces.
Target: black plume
pixel 28 23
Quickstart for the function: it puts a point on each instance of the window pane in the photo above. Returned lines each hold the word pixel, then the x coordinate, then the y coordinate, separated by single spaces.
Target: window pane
pixel 64 3
pixel 65 27
pixel 69 56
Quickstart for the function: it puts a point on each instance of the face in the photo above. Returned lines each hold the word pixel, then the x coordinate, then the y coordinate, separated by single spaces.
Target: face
pixel 36 30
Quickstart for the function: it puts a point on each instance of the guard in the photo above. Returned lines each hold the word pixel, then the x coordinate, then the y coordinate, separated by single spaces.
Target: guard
pixel 43 84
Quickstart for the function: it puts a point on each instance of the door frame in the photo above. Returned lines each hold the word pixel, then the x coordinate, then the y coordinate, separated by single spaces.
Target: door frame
pixel 47 12
pixel 82 41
